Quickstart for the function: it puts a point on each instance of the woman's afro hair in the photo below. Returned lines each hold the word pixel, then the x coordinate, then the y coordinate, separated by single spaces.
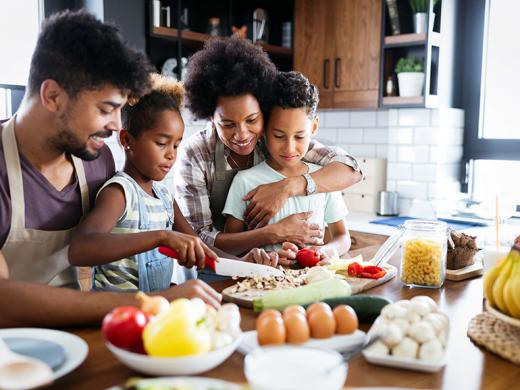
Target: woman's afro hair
pixel 228 67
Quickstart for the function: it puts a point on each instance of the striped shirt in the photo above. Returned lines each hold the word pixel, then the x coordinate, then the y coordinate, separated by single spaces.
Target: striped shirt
pixel 123 274
pixel 195 171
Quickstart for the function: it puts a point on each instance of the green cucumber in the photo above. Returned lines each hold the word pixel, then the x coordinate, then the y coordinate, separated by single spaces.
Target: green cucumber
pixel 314 292
pixel 367 307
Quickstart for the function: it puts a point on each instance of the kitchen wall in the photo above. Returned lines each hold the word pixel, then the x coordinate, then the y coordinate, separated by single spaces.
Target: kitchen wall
pixel 423 148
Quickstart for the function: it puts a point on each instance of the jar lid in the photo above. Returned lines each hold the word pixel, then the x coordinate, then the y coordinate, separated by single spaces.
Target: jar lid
pixel 425 225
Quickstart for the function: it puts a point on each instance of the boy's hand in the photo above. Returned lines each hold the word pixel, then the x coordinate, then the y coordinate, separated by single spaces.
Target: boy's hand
pixel 265 201
pixel 296 229
pixel 192 249
pixel 260 256
pixel 194 288
pixel 287 254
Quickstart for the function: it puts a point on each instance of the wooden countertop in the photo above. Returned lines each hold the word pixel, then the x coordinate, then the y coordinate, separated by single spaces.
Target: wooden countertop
pixel 468 366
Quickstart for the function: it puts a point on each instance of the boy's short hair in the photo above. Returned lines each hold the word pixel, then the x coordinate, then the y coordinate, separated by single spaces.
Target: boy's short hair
pixel 228 67
pixel 294 90
pixel 81 53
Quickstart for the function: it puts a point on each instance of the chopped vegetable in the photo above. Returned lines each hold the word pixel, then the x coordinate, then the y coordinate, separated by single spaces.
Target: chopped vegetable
pixel 354 269
pixel 341 264
pixel 367 271
pixel 315 292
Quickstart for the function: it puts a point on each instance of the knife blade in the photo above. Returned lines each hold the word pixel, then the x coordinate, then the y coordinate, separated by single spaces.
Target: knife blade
pixel 230 267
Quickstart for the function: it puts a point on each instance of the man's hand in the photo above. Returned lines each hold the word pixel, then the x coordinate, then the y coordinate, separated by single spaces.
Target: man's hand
pixel 194 288
pixel 296 229
pixel 265 201
pixel 192 250
pixel 260 256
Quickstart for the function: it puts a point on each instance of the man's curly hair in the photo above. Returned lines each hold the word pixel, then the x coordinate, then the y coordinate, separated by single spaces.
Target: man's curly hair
pixel 228 67
pixel 81 53
pixel 294 90
pixel 142 113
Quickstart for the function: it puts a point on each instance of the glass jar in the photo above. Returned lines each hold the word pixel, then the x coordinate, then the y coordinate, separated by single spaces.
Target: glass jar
pixel 423 253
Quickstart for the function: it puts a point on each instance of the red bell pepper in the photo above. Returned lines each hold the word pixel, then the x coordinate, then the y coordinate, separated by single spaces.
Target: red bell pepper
pixel 367 271
pixel 354 269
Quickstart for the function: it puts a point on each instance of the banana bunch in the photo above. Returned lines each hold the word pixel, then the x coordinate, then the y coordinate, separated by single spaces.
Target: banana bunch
pixel 502 284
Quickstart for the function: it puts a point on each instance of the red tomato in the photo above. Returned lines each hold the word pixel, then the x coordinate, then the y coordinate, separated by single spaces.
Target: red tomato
pixel 307 257
pixel 124 326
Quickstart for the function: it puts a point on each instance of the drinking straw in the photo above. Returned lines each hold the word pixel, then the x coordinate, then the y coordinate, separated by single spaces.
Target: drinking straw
pixel 497 223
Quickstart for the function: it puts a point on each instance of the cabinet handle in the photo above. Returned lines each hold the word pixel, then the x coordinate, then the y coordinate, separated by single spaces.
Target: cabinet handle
pixel 337 62
pixel 326 63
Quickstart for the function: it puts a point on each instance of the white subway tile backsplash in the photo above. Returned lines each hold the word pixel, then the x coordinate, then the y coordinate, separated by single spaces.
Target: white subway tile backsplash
pixel 405 206
pixel 392 153
pixel 327 136
pixel 443 189
pixel 383 118
pixel 412 190
pixel 413 154
pixel 363 150
pixel 400 135
pixel 381 151
pixel 349 136
pixel 414 117
pixel 363 118
pixel 375 136
pixel 393 117
pixel 425 172
pixel 438 136
pixel 335 118
pixel 391 185
pixel 445 154
pixel 451 117
pixel 397 171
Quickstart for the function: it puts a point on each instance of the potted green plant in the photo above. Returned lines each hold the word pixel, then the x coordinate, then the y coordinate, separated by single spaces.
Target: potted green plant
pixel 410 76
pixel 420 15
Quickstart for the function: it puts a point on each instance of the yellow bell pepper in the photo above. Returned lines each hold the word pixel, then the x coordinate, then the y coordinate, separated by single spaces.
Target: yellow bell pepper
pixel 177 332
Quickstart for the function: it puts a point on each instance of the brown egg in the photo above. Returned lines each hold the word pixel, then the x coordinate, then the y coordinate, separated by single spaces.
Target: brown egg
pixel 322 324
pixel 293 309
pixel 320 306
pixel 346 319
pixel 270 330
pixel 267 313
pixel 296 327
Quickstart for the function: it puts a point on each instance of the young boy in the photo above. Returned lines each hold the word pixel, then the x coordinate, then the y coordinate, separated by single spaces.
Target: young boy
pixel 292 123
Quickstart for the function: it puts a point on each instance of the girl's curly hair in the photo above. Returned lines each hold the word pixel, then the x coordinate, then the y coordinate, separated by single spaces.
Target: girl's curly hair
pixel 141 112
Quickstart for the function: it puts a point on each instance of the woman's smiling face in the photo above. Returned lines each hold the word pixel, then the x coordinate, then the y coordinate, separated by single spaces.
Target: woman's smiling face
pixel 239 122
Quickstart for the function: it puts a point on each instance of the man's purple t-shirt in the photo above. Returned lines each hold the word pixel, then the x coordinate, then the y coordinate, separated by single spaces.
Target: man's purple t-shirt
pixel 45 207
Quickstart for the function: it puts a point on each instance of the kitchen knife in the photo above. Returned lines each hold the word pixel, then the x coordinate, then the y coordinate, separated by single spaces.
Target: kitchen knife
pixel 230 267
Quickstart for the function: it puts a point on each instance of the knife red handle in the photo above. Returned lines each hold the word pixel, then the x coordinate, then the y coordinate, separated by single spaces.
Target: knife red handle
pixel 208 261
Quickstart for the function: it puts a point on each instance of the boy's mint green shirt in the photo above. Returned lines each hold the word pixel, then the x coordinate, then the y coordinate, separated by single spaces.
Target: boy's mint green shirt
pixel 328 207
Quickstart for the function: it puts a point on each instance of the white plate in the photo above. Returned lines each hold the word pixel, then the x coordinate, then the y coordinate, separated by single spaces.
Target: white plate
pixel 189 382
pixel 185 365
pixel 502 316
pixel 406 363
pixel 76 350
pixel 336 342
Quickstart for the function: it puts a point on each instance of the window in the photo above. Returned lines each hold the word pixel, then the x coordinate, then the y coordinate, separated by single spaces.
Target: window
pixel 19 25
pixel 492 139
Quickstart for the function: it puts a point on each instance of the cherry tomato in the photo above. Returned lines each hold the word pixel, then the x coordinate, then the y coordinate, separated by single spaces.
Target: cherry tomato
pixel 307 257
pixel 124 326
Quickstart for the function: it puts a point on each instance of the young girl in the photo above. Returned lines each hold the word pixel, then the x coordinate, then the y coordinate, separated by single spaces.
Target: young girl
pixel 134 212
pixel 292 122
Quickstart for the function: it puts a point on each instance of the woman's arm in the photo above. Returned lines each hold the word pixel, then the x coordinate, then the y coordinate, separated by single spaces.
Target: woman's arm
pixel 4 272
pixel 340 171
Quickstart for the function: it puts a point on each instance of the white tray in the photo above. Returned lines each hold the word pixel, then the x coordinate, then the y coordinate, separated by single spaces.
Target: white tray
pixel 336 342
pixel 406 363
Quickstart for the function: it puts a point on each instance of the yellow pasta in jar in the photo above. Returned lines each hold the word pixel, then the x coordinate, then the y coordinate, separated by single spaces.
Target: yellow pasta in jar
pixel 422 262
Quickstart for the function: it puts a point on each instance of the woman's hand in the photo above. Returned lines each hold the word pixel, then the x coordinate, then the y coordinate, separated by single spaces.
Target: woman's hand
pixel 260 256
pixel 192 249
pixel 265 201
pixel 296 229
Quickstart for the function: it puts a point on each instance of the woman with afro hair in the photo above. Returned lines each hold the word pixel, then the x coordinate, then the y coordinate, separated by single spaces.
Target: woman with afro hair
pixel 230 82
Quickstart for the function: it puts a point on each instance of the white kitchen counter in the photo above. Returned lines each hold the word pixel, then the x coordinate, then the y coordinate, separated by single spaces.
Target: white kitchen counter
pixel 360 222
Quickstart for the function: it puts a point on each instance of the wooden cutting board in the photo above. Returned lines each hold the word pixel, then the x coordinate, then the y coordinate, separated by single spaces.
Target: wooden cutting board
pixel 245 298
pixel 476 269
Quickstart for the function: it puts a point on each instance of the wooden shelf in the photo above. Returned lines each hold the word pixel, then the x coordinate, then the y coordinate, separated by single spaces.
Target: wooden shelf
pixel 405 40
pixel 403 101
pixel 192 37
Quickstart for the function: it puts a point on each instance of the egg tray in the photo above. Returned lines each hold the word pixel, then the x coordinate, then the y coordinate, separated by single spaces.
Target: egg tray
pixel 495 335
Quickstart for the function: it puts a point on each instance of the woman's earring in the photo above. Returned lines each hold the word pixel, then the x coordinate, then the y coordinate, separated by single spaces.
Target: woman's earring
pixel 127 147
